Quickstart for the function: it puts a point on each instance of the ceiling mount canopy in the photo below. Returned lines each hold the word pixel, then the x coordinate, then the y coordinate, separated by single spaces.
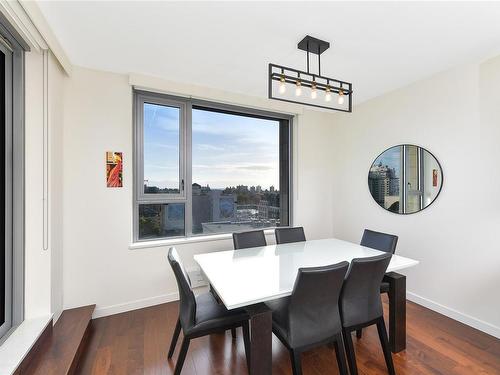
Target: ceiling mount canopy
pixel 313 45
pixel 303 87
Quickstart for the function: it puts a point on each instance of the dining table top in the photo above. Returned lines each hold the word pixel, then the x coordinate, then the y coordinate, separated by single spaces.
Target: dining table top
pixel 249 276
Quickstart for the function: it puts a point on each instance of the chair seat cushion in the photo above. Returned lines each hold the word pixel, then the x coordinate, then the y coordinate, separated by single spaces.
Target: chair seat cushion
pixel 384 287
pixel 211 315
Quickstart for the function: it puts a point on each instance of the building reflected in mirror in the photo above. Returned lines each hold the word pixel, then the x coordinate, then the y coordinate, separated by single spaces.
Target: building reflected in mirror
pixel 405 179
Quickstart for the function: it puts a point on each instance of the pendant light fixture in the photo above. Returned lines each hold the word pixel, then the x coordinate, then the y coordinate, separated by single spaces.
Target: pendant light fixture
pixel 303 87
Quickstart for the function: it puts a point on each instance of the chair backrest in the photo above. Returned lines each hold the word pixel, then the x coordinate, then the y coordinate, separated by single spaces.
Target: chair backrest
pixel 379 241
pixel 187 306
pixel 313 313
pixel 253 238
pixel 287 235
pixel 360 298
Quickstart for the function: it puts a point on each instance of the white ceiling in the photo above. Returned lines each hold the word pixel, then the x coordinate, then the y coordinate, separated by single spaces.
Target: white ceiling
pixel 378 46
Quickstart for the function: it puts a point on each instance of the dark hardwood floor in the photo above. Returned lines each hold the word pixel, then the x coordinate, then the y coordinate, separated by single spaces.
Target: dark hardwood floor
pixel 137 342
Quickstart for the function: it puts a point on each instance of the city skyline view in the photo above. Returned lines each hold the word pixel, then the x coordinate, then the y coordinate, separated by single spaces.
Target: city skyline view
pixel 239 207
pixel 227 150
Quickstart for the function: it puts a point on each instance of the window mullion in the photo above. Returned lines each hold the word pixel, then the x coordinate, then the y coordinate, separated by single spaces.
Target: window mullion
pixel 188 141
pixel 182 151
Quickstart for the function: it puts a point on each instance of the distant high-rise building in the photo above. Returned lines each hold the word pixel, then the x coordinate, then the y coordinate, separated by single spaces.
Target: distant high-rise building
pixel 202 207
pixel 211 206
pixel 242 188
pixel 383 181
pixel 196 189
pixel 234 208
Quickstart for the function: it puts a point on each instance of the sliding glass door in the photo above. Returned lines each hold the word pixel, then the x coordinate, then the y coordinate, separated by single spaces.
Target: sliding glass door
pixel 5 190
pixel 11 178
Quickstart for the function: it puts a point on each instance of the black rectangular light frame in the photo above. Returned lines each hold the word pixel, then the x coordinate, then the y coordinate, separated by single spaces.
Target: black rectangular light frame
pixel 291 75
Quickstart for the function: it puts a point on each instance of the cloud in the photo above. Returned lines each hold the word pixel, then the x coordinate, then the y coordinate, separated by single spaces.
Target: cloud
pixel 254 140
pixel 165 118
pixel 162 145
pixel 227 150
pixel 256 167
pixel 228 167
pixel 152 166
pixel 208 147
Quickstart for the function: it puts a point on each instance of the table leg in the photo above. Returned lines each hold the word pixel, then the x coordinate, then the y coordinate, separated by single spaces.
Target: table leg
pixel 397 311
pixel 261 324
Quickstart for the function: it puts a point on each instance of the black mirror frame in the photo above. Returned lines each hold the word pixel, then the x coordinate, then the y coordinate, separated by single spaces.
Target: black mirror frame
pixel 440 187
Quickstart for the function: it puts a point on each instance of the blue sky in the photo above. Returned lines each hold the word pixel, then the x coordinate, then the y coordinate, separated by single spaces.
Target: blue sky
pixel 161 145
pixel 391 158
pixel 228 150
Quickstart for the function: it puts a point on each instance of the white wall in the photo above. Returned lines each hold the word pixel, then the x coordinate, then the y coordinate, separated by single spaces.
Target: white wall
pixel 453 238
pixel 43 268
pixel 456 116
pixel 99 267
pixel 37 261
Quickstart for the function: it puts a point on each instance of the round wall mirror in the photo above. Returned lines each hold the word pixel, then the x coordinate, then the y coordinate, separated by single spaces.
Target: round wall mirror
pixel 405 179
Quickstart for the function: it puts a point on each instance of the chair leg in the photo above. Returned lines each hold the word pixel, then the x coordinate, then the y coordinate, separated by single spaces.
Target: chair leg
pixel 175 337
pixel 296 362
pixel 246 341
pixel 382 334
pixel 233 333
pixel 340 353
pixel 351 355
pixel 182 356
pixel 359 333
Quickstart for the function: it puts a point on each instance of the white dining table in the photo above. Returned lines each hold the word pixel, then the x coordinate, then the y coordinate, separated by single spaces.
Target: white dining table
pixel 245 278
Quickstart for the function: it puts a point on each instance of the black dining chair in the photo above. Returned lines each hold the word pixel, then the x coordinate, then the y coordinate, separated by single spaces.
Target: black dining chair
pixel 382 242
pixel 254 238
pixel 379 241
pixel 288 235
pixel 201 315
pixel 361 305
pixel 310 316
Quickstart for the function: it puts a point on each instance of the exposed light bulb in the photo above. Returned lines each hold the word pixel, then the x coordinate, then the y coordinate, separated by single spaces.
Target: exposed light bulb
pixel 298 88
pixel 314 94
pixel 328 94
pixel 340 99
pixel 282 88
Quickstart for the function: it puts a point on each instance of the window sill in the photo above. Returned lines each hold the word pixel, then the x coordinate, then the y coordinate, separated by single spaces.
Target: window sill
pixel 20 342
pixel 187 240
